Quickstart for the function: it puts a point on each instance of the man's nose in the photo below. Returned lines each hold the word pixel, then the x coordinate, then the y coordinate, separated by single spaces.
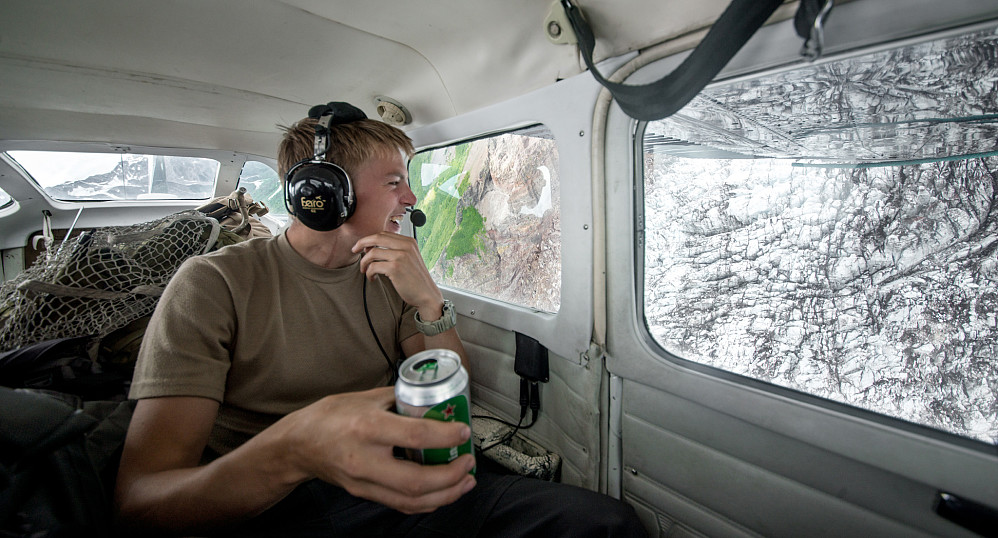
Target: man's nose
pixel 408 197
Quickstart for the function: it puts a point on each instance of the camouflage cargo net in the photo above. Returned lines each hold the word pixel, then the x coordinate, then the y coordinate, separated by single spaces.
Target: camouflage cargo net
pixel 100 280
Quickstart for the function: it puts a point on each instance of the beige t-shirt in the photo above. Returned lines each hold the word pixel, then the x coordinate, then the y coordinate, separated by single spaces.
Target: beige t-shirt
pixel 265 332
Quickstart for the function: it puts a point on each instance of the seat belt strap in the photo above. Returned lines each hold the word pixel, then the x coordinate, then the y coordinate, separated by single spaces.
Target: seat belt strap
pixel 667 95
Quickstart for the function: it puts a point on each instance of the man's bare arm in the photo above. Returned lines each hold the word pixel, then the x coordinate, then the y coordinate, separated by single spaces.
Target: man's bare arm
pixel 345 439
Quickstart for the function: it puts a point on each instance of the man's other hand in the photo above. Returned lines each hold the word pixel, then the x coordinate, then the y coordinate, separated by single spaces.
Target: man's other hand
pixel 348 440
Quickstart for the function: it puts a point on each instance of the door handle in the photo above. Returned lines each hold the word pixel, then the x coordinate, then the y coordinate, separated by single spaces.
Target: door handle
pixel 972 515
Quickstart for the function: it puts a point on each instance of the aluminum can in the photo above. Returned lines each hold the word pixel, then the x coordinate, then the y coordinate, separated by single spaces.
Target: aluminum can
pixel 433 384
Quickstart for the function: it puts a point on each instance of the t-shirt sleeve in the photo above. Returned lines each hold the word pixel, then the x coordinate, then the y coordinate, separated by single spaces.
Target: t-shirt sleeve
pixel 185 350
pixel 407 325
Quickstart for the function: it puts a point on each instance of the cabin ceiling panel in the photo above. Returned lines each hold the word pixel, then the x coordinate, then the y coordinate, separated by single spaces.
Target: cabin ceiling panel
pixel 31 84
pixel 621 26
pixel 183 61
pixel 484 52
pixel 483 63
pixel 20 124
pixel 248 65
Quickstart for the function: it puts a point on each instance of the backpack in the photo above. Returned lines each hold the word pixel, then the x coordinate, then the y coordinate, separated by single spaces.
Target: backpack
pixel 237 215
pixel 58 463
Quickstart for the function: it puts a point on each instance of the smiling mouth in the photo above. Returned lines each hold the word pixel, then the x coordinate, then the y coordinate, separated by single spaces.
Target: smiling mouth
pixel 397 219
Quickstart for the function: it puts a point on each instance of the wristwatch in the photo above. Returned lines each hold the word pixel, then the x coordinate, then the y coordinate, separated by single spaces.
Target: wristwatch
pixel 446 322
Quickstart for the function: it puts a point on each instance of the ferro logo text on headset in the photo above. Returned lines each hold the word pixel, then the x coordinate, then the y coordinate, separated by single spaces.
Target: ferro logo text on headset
pixel 316 204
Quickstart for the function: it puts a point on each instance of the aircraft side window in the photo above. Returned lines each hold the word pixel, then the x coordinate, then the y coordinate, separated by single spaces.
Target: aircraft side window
pixel 264 185
pixel 493 218
pixel 833 229
pixel 86 176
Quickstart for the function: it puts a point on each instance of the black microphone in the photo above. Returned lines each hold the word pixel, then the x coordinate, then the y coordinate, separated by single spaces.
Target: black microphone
pixel 417 217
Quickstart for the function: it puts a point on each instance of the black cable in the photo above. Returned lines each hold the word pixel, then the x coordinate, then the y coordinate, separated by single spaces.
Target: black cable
pixel 505 439
pixel 529 398
pixel 391 367
pixel 535 401
pixel 496 419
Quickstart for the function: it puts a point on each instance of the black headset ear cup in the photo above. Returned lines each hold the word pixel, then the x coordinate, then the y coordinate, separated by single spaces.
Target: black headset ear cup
pixel 319 194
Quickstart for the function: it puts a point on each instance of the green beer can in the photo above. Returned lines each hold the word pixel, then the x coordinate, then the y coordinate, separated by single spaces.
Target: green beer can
pixel 433 384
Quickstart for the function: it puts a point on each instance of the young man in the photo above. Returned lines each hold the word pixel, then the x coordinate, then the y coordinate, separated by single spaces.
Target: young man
pixel 262 385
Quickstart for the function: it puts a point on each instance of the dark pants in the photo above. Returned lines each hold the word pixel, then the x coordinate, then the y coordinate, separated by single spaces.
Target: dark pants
pixel 500 505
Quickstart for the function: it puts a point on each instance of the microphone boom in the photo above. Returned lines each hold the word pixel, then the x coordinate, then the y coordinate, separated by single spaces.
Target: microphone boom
pixel 417 217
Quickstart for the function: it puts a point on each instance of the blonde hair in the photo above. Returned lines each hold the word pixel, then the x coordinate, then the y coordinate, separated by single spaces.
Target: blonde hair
pixel 350 144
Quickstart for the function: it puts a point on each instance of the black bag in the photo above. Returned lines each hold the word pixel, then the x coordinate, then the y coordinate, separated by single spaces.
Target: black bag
pixel 64 365
pixel 58 463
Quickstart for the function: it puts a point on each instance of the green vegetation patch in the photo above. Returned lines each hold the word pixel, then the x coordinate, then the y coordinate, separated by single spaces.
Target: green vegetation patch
pixel 441 207
pixel 469 236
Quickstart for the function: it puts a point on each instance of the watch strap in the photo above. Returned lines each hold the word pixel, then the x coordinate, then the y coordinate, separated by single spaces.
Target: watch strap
pixel 447 321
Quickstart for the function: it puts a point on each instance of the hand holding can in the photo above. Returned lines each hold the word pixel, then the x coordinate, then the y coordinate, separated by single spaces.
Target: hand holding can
pixel 433 384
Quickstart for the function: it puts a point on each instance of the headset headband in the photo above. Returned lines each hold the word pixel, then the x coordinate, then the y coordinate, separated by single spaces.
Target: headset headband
pixel 322 137
pixel 331 113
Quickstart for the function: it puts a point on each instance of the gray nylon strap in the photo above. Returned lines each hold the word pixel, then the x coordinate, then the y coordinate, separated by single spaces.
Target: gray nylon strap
pixel 665 96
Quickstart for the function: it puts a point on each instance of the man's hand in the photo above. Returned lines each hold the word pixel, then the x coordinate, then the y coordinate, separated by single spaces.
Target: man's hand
pixel 348 439
pixel 397 257
pixel 344 439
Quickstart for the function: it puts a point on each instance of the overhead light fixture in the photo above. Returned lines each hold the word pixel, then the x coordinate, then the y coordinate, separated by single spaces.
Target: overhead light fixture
pixel 392 112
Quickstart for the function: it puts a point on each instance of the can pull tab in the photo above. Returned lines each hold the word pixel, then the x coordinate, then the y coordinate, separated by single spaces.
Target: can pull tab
pixel 425 368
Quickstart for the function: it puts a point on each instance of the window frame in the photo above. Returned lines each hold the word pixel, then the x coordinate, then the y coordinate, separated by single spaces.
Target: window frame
pixel 567 333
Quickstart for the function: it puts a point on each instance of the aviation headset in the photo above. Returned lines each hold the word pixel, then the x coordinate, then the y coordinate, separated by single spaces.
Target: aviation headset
pixel 317 192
